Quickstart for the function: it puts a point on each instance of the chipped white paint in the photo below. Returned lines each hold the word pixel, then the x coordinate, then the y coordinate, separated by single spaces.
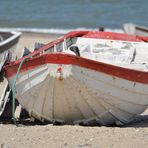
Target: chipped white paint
pixel 121 53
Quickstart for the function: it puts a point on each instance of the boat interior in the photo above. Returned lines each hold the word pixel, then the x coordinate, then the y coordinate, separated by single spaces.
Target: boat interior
pixel 128 54
pixel 133 55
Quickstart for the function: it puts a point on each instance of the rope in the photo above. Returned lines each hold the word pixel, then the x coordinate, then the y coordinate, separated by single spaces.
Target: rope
pixel 14 91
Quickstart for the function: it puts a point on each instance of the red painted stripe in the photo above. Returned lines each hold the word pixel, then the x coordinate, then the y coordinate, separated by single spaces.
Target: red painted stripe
pixel 61 58
pixel 112 36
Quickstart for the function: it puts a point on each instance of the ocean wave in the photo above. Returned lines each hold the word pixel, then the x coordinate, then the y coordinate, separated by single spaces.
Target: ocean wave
pixel 56 30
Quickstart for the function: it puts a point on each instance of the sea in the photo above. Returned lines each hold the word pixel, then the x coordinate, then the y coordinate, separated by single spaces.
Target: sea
pixel 61 16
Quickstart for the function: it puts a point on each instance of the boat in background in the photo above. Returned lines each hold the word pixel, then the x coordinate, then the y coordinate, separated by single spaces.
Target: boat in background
pixel 84 77
pixel 8 42
pixel 134 29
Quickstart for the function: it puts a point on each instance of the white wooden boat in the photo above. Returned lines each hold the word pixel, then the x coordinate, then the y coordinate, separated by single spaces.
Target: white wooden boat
pixel 8 41
pixel 84 78
pixel 134 29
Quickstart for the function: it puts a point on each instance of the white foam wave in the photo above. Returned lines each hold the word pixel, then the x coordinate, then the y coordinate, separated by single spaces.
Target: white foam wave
pixel 55 30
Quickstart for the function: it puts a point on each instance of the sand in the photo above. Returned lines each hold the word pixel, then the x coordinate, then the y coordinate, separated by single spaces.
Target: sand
pixel 30 135
pixel 29 39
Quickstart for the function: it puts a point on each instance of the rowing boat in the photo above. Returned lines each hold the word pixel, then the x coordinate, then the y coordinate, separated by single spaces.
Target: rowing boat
pixel 84 78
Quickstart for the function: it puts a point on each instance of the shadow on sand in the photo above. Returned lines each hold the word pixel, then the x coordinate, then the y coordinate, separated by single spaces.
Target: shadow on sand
pixel 141 121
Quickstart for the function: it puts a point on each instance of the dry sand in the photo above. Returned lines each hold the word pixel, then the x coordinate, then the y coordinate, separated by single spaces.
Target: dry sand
pixel 134 135
pixel 29 39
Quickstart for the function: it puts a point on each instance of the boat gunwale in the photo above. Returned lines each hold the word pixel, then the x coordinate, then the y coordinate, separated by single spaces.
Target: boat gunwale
pixel 68 59
pixel 64 58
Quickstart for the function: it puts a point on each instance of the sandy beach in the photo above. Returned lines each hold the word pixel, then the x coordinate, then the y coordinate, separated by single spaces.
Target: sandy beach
pixel 28 135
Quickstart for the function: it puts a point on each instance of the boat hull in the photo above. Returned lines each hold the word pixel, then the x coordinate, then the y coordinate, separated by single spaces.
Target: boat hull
pixel 74 94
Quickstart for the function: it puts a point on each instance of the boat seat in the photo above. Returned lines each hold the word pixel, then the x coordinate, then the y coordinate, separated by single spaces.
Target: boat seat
pixel 121 53
pixel 110 55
